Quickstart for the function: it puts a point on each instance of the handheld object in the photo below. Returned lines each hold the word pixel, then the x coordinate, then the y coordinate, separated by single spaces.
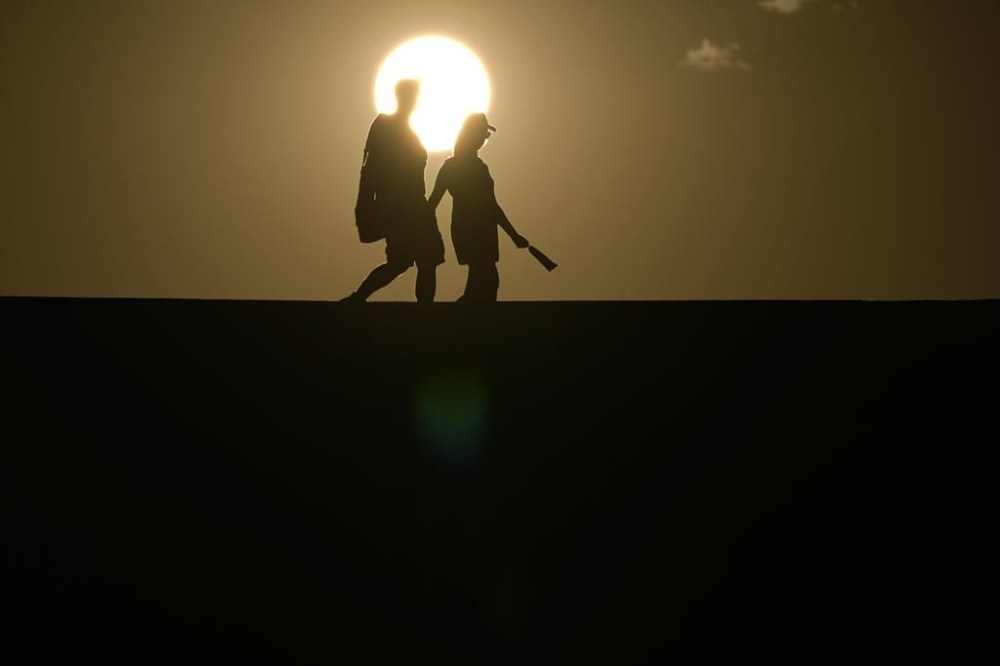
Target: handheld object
pixel 542 259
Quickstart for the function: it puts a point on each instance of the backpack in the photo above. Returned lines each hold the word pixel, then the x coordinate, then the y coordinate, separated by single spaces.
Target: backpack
pixel 368 215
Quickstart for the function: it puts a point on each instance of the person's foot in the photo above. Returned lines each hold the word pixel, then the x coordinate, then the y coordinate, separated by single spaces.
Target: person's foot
pixel 354 297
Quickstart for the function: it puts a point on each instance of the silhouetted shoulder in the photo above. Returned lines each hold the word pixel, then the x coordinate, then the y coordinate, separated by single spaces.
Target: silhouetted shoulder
pixel 466 163
pixel 446 170
pixel 375 132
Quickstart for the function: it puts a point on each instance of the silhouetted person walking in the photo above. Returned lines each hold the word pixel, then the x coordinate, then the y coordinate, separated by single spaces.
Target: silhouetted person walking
pixel 475 212
pixel 392 183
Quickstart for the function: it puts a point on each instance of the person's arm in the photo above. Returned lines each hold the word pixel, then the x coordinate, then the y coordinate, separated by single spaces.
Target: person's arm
pixel 440 187
pixel 519 240
pixel 502 220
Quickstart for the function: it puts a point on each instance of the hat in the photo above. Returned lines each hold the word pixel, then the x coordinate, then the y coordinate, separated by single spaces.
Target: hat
pixel 478 120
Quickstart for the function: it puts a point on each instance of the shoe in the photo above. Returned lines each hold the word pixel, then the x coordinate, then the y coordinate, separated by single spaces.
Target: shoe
pixel 352 298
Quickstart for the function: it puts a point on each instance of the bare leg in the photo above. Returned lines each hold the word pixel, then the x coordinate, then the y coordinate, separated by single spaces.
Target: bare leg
pixel 491 282
pixel 426 282
pixel 482 283
pixel 380 277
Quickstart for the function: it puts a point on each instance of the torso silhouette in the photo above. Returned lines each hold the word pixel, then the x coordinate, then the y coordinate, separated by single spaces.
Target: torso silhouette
pixel 397 160
pixel 474 212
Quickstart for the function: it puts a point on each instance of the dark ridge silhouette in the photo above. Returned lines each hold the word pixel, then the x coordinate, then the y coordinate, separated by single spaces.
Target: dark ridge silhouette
pixel 553 482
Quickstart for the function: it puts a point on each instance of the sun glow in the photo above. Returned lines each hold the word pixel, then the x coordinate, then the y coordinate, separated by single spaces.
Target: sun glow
pixel 453 84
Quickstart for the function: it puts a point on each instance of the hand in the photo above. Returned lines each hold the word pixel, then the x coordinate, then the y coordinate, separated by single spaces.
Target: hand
pixel 520 241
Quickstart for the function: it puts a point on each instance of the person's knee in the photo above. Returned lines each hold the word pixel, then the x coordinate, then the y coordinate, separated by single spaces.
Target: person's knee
pixel 397 268
pixel 486 275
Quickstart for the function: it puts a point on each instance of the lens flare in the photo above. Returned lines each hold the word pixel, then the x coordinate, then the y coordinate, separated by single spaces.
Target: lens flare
pixel 450 411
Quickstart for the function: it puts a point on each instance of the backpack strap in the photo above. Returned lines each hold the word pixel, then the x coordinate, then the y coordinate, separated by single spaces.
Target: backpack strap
pixel 374 137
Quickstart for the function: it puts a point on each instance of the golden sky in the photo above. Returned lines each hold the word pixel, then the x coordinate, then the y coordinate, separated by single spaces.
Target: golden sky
pixel 678 149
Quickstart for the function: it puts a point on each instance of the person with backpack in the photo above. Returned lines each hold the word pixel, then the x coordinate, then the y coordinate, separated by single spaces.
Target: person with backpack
pixel 475 213
pixel 392 205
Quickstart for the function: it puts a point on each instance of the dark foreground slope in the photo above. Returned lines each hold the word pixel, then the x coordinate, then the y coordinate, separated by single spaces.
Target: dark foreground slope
pixel 763 482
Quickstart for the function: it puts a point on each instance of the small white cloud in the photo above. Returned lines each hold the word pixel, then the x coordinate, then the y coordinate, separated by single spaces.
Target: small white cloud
pixel 711 57
pixel 782 6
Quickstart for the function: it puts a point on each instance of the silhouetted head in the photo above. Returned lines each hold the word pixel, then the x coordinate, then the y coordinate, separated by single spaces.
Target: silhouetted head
pixel 473 135
pixel 407 92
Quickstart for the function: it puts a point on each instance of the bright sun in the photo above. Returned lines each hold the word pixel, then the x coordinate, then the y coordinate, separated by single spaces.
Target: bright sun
pixel 453 84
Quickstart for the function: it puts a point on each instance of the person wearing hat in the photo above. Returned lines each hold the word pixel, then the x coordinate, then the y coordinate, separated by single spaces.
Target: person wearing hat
pixel 475 213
